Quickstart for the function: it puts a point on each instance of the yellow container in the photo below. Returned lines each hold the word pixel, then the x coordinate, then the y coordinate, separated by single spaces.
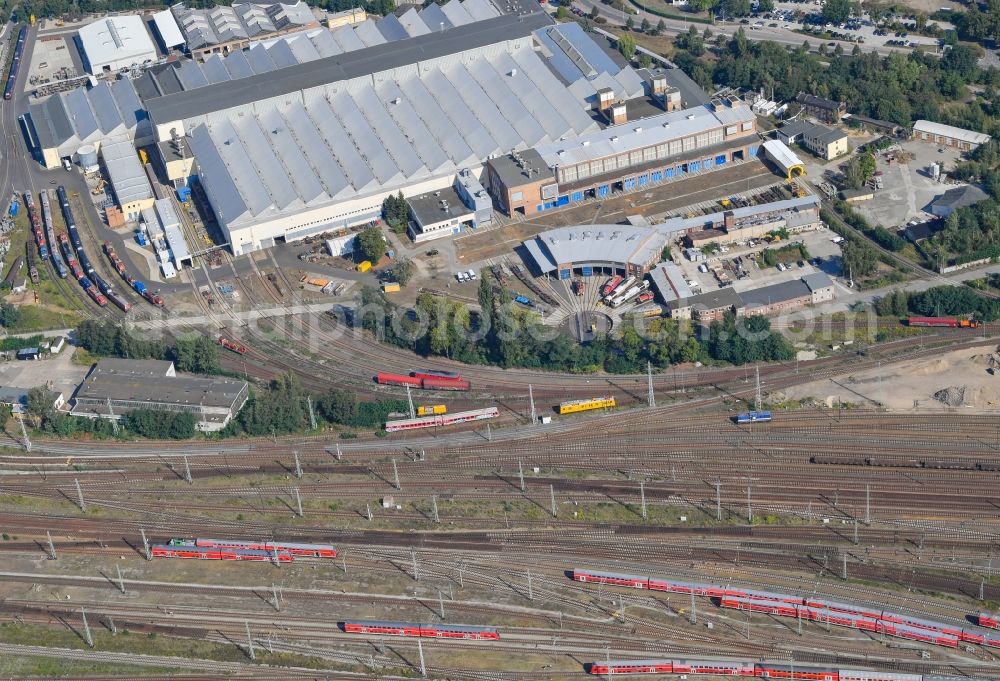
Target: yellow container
pixel 432 410
pixel 143 157
pixel 364 266
pixel 390 287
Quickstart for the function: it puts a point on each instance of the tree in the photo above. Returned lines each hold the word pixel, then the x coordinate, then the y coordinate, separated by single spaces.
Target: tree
pixel 736 8
pixel 645 61
pixel 403 270
pixel 396 212
pixel 40 403
pixel 338 406
pixel 594 12
pixel 836 11
pixel 626 45
pixel 630 24
pixel 198 355
pixel 765 6
pixel 562 14
pixel 860 259
pixel 371 244
pixel 661 26
pixel 9 315
pixel 960 59
pixel 645 25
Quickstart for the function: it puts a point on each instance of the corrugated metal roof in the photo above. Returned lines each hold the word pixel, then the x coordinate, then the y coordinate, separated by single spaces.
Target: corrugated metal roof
pixel 128 177
pixel 356 124
pixel 354 165
pixel 324 43
pixel 412 23
pixel 168 29
pixel 320 155
pixel 438 122
pixel 426 145
pixel 348 39
pixel 597 243
pixel 219 183
pixel 239 164
pixel 480 10
pixel 445 97
pixel 261 148
pixel 109 119
pixel 562 100
pixel 435 18
pixel 392 28
pixel 293 162
pixel 457 15
pixel 116 38
pixel 368 32
pixel 780 152
pixel 80 113
pixel 215 70
pixel 951 131
pixel 191 76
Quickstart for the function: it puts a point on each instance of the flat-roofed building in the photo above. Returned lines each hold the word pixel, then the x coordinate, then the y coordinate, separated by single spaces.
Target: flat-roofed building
pixel 115 386
pixel 785 296
pixel 827 143
pixel 116 42
pixel 624 157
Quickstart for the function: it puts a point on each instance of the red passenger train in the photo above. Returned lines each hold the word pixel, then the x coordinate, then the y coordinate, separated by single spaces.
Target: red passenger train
pixel 762 670
pixel 421 630
pixel 206 553
pixel 809 608
pixel 294 548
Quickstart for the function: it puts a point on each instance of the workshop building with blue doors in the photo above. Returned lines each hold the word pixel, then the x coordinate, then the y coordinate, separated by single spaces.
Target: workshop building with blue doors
pixel 626 156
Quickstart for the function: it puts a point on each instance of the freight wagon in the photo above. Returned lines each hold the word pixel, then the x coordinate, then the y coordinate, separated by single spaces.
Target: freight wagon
pixel 573 406
pixel 384 378
pixel 50 234
pixel 232 345
pixel 432 410
pixel 754 417
pixel 943 322
pixel 15 63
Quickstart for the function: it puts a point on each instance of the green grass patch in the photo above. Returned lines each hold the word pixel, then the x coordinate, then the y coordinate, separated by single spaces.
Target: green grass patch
pixel 49 668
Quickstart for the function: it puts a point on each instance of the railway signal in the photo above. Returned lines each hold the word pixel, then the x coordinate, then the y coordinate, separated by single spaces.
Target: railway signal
pixel 718 499
pixel 298 466
pixel 121 579
pixel 423 668
pixel 24 434
pixel 434 508
pixel 868 504
pixel 298 502
pixel 276 599
pixel 520 474
pixel 416 569
pixel 187 471
pixel 531 402
pixel 552 495
pixel 642 495
pixel 52 547
pixel 395 475
pixel 651 397
pixel 145 545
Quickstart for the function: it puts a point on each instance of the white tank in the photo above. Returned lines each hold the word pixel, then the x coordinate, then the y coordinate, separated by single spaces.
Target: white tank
pixel 86 156
pixel 935 170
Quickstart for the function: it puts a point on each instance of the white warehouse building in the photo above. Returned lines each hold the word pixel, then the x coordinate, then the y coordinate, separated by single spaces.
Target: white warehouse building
pixel 116 43
pixel 321 146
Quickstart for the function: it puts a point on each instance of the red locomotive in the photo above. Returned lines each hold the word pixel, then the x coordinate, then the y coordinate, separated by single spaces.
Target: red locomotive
pixel 421 630
pixel 232 345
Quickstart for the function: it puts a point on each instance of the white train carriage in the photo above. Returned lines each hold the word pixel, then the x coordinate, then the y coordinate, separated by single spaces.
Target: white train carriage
pixel 442 420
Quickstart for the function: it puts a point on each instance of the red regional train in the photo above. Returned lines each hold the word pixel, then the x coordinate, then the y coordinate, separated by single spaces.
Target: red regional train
pixel 206 553
pixel 809 608
pixel 987 620
pixel 764 670
pixel 423 381
pixel 442 419
pixel 421 630
pixel 294 548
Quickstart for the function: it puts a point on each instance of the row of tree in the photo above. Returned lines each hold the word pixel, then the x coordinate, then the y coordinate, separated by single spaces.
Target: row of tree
pixel 509 335
pixel 197 354
pixel 939 301
pixel 899 87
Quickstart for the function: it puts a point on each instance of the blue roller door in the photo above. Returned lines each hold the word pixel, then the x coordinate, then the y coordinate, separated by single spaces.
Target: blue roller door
pixel 694 166
pixel 629 183
pixel 753 151
pixel 707 164
pixel 656 175
pixel 577 196
pixel 565 274
pixel 720 160
pixel 668 173
pixel 604 190
pixel 562 201
pixel 587 271
pixel 643 180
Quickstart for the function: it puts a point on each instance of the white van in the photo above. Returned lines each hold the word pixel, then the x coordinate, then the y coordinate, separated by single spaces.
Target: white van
pixel 472 275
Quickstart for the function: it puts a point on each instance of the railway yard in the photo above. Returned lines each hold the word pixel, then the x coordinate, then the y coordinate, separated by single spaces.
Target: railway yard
pixel 829 517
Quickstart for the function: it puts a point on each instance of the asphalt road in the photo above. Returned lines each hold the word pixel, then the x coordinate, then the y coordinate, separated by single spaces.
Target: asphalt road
pixel 778 35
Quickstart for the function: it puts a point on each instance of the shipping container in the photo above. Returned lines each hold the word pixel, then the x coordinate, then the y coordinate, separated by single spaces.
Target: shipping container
pixel 364 266
pixel 390 287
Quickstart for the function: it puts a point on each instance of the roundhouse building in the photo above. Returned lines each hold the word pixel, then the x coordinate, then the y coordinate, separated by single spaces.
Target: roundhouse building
pixel 590 248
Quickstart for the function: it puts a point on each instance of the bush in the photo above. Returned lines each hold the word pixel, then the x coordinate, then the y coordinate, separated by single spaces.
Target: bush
pixel 160 425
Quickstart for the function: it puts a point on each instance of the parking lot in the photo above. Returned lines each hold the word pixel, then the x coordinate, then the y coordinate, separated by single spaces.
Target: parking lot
pixel 739 263
pixel 861 30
